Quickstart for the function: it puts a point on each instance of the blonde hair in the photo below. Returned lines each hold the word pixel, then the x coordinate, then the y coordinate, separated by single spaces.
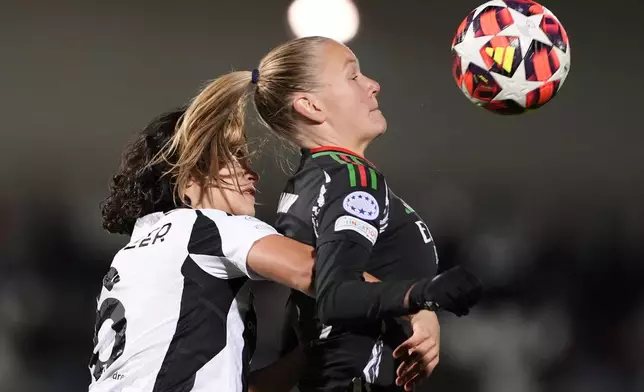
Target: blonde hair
pixel 211 134
pixel 287 69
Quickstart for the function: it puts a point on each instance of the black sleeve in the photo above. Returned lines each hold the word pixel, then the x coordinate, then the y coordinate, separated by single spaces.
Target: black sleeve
pixel 347 219
pixel 344 297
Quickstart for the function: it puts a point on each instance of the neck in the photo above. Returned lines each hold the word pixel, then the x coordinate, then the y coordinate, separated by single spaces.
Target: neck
pixel 204 201
pixel 209 206
pixel 359 148
pixel 333 140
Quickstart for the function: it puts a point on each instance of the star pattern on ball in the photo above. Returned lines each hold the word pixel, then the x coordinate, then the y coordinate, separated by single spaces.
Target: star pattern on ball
pixel 533 30
pixel 493 3
pixel 470 49
pixel 527 29
pixel 515 88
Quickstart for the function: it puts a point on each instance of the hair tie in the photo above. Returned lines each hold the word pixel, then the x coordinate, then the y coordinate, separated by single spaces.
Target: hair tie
pixel 255 76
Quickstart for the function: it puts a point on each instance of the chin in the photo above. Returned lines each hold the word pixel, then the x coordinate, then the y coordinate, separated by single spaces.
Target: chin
pixel 249 210
pixel 244 208
pixel 380 128
pixel 245 205
pixel 245 211
pixel 379 123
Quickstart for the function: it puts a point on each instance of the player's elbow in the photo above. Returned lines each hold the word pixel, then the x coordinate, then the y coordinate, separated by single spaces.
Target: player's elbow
pixel 329 306
pixel 301 276
pixel 302 280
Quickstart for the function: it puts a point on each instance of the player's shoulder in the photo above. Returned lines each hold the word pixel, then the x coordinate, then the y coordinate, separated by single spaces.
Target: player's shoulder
pixel 229 222
pixel 160 221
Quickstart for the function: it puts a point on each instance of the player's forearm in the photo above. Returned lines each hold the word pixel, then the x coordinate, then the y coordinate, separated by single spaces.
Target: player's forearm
pixel 343 297
pixel 287 262
pixel 280 376
pixel 284 261
pixel 370 278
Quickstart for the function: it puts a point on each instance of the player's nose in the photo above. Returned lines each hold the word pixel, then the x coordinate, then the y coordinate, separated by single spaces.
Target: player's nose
pixel 251 176
pixel 373 87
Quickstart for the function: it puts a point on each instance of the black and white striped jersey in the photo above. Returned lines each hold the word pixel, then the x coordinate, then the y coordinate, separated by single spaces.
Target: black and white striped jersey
pixel 175 311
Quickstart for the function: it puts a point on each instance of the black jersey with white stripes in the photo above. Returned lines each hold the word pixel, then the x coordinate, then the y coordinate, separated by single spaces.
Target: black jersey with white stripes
pixel 336 195
pixel 175 311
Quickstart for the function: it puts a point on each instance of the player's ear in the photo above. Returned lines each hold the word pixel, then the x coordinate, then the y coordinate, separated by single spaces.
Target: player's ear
pixel 307 105
pixel 192 182
pixel 193 192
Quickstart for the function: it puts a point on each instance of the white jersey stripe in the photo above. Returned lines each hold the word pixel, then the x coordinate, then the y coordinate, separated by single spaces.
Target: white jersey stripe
pixel 286 201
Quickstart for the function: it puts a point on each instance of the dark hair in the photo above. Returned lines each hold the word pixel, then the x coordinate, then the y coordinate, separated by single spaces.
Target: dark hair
pixel 140 187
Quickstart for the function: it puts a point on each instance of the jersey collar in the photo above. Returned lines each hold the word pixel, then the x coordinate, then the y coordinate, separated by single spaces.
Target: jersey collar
pixel 339 149
pixel 144 223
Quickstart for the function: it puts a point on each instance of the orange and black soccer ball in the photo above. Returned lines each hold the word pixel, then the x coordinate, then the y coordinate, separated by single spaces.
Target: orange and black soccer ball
pixel 511 56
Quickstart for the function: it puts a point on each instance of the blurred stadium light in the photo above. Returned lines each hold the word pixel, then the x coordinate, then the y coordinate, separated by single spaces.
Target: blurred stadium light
pixel 337 19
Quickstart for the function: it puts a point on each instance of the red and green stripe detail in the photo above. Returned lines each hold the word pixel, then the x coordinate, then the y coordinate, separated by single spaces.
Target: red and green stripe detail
pixel 360 174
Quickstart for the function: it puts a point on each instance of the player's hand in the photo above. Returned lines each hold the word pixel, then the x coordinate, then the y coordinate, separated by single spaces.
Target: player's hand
pixel 420 352
pixel 456 290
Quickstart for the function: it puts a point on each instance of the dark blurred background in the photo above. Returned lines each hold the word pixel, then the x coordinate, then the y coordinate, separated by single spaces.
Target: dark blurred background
pixel 547 207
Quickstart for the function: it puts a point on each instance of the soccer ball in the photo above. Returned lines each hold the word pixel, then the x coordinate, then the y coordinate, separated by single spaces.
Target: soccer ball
pixel 510 56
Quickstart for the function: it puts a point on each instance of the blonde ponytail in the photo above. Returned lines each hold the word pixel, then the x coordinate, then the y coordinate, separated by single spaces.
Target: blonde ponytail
pixel 210 136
